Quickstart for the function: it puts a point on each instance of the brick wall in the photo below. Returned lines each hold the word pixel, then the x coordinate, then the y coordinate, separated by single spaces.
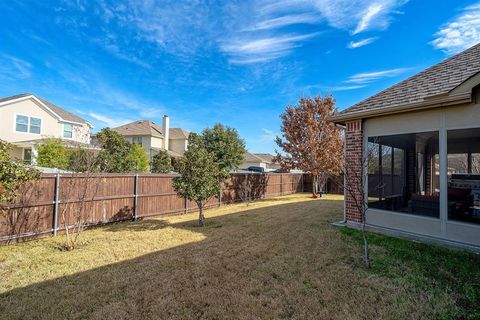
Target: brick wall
pixel 353 162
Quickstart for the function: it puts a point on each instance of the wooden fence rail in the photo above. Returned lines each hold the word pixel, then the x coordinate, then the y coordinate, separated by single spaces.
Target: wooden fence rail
pixel 45 205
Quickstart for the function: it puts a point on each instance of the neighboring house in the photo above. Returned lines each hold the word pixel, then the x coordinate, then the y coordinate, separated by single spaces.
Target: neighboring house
pixel 263 160
pixel 153 138
pixel 422 139
pixel 26 120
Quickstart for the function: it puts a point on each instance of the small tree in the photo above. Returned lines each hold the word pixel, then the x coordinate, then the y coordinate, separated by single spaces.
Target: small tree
pixel 226 146
pixel 199 172
pixel 355 188
pixel 13 175
pixel 139 157
pixel 78 191
pixel 310 141
pixel 52 153
pixel 115 153
pixel 161 163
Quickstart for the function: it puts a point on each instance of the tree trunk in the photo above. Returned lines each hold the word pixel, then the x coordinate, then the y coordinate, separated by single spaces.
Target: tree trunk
pixel 366 254
pixel 315 187
pixel 201 217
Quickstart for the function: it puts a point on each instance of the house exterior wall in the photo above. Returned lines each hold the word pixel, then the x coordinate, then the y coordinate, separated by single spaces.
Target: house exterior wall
pixel 178 145
pixel 440 120
pixel 156 142
pixel 50 126
pixel 353 161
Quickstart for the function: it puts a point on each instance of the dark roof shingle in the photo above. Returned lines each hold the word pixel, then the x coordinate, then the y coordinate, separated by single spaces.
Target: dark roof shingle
pixel 438 79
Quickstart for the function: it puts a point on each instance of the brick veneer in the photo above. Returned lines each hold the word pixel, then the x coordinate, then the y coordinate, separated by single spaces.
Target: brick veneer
pixel 353 162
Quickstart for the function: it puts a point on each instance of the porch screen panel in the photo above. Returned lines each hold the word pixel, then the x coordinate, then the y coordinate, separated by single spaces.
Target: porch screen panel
pixel 463 172
pixel 404 180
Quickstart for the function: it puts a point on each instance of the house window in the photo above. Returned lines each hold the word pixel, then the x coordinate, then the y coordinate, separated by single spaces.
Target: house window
pixel 27 156
pixel 21 124
pixel 35 125
pixel 67 131
pixel 401 173
pixel 28 124
pixel 463 174
pixel 137 140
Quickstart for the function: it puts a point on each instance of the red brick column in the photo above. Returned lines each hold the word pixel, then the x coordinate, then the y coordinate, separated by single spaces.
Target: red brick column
pixel 353 163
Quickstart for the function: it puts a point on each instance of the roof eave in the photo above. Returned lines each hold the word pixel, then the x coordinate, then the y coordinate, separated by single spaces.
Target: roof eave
pixel 427 103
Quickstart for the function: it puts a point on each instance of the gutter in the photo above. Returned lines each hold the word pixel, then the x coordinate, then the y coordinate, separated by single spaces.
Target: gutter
pixel 434 102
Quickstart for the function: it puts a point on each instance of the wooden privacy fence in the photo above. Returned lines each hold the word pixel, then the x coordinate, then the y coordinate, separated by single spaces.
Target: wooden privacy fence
pixel 45 205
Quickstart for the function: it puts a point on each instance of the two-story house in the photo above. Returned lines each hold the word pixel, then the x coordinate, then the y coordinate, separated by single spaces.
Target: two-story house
pixel 26 120
pixel 153 138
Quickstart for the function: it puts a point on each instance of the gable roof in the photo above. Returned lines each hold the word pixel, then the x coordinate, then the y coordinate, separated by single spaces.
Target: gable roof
pixel 61 113
pixel 434 84
pixel 140 128
pixel 149 128
pixel 178 133
pixel 250 157
pixel 266 157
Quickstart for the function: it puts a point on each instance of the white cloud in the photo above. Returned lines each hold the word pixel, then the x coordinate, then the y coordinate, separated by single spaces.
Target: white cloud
pixel 361 43
pixel 368 17
pixel 267 135
pixel 358 15
pixel 339 88
pixel 283 21
pixel 13 67
pixel 245 51
pixel 367 77
pixel 461 32
pixel 108 121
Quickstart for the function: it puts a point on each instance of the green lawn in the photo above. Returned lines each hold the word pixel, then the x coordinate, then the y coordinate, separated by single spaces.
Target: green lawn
pixel 279 258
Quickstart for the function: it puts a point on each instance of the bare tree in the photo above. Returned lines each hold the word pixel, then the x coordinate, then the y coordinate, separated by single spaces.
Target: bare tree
pixel 355 186
pixel 77 194
pixel 252 186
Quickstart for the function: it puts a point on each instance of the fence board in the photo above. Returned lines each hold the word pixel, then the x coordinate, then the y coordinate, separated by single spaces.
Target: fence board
pixel 111 197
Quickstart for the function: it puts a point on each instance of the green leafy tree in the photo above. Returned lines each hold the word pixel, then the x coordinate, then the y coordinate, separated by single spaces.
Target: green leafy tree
pixel 139 157
pixel 13 174
pixel 226 146
pixel 115 155
pixel 199 172
pixel 52 153
pixel 161 163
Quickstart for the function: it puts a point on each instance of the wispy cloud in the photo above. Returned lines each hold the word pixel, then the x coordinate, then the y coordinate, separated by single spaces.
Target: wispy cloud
pixel 368 17
pixel 461 32
pixel 14 68
pixel 367 77
pixel 108 121
pixel 361 43
pixel 258 50
pixel 267 135
pixel 359 15
pixel 283 21
pixel 335 88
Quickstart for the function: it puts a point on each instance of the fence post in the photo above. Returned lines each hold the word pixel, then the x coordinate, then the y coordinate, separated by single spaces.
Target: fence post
pixel 186 205
pixel 55 204
pixel 281 184
pixel 135 197
pixel 302 182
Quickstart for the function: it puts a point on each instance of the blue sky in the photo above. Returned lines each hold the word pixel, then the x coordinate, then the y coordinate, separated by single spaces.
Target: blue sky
pixel 235 62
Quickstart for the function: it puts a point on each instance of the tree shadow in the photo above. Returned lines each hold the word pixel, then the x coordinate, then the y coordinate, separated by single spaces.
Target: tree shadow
pixel 255 264
pixel 157 223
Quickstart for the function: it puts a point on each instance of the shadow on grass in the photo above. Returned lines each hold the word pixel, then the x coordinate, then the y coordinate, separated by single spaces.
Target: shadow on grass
pixel 425 266
pixel 156 222
pixel 230 273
